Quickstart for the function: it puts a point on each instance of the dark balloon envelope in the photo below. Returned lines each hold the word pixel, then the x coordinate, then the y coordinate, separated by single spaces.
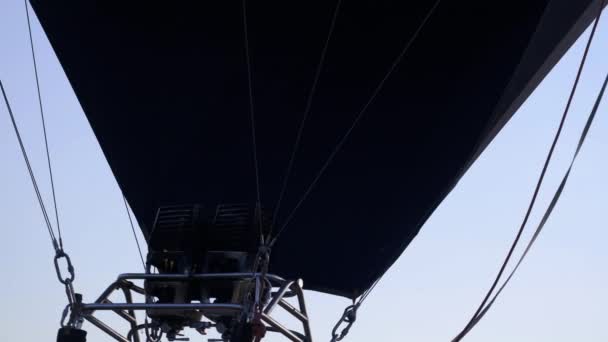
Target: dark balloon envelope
pixel 164 86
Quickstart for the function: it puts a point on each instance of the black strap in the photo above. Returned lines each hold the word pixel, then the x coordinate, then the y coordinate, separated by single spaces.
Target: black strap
pixel 547 213
pixel 532 203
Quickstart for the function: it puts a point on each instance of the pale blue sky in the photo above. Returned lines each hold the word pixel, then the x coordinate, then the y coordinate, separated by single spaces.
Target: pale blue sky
pixel 558 295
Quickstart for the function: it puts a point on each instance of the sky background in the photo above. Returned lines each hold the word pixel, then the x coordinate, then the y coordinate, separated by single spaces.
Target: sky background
pixel 559 293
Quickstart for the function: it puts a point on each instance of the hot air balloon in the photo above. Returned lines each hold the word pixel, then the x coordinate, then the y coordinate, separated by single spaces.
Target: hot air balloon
pixel 272 147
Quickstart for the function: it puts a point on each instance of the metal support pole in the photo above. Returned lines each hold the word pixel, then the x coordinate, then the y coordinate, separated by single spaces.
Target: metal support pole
pixel 105 328
pixel 203 307
pixel 278 296
pixel 302 303
pixel 131 313
pixel 208 276
pixel 122 313
pixel 278 326
pixel 293 311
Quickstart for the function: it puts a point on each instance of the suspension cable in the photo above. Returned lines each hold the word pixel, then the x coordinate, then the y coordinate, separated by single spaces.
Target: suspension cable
pixel 252 118
pixel 547 213
pixel 47 221
pixel 46 143
pixel 538 184
pixel 307 109
pixel 141 256
pixel 344 138
pixel 59 253
pixel 73 298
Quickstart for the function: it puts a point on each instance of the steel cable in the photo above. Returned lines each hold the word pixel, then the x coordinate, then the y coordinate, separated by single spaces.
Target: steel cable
pixel 47 221
pixel 252 118
pixel 46 142
pixel 307 109
pixel 141 256
pixel 358 118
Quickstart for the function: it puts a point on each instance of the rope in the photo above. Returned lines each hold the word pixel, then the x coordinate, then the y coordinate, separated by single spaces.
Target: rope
pixel 141 256
pixel 358 117
pixel 252 116
pixel 46 143
pixel 547 213
pixel 538 184
pixel 47 221
pixel 306 112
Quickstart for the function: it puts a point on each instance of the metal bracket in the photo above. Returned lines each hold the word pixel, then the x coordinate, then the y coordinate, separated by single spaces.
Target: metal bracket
pixel 282 289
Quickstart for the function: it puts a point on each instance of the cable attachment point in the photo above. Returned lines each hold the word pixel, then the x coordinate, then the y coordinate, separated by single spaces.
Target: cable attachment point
pixel 262 261
pixel 261 286
pixel 263 258
pixel 348 317
pixel 74 306
pixel 74 309
pixel 67 280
